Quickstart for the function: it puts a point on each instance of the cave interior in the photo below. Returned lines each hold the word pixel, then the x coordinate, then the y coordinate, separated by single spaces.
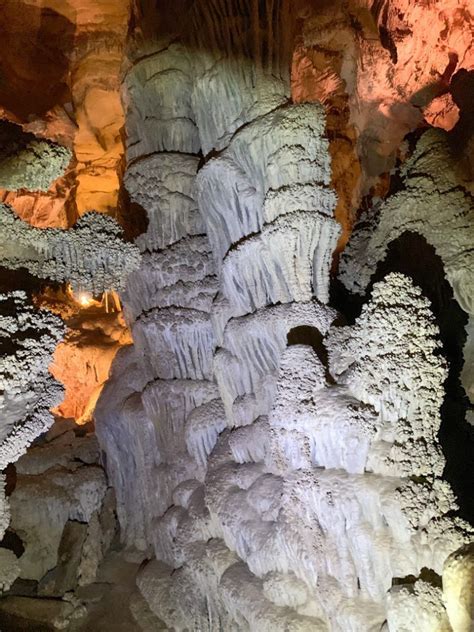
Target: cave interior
pixel 237 315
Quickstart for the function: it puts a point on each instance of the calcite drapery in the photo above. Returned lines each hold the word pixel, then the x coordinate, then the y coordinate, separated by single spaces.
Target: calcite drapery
pixel 435 204
pixel 274 492
pixel 283 470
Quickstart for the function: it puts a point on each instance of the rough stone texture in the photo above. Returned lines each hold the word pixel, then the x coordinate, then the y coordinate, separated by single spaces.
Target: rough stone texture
pixel 28 339
pixel 27 162
pixel 405 388
pixel 174 93
pixel 292 491
pixel 278 471
pixel 434 204
pixel 9 569
pixel 160 82
pixel 83 359
pixel 181 276
pixel 92 256
pixel 458 580
pixel 162 184
pixel 62 512
pixel 61 67
pixel 41 505
pixel 63 578
pixel 143 615
pixel 382 68
pixel 47 615
pixel 417 607
pixel 467 374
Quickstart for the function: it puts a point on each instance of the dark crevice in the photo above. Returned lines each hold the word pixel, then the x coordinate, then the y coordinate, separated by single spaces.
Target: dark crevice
pixel 12 542
pixel 413 256
pixel 312 337
pixel 426 574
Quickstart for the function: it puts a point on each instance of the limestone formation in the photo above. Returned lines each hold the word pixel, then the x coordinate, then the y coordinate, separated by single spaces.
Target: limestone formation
pixel 295 482
pixel 9 569
pixel 92 256
pixel 458 578
pixel 28 338
pixel 404 386
pixel 27 162
pixel 263 462
pixel 61 512
pixel 433 204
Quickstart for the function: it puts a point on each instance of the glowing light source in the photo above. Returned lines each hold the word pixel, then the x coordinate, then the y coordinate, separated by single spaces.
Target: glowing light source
pixel 84 299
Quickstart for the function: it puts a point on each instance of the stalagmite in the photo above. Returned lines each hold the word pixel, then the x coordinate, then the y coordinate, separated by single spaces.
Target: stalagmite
pixel 283 249
pixel 315 466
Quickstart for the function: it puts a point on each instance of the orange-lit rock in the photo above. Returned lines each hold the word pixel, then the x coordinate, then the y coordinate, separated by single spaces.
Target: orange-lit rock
pixel 82 362
pixel 95 332
pixel 53 209
pixel 95 87
pixel 316 76
pixel 60 71
pixel 442 112
pixel 390 64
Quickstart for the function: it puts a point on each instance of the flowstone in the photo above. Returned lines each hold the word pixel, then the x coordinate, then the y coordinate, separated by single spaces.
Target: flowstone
pixel 272 485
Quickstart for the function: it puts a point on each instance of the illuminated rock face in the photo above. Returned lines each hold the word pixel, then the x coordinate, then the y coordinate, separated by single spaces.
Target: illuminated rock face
pixel 82 360
pixel 278 471
pixel 382 68
pixel 286 471
pixel 75 48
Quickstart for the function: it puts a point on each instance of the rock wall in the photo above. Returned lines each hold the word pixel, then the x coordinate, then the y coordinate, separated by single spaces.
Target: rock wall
pixel 273 486
pixel 383 68
pixel 61 68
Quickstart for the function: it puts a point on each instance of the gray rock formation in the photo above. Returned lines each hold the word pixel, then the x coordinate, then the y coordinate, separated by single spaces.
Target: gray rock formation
pixel 62 511
pixel 92 256
pixel 27 162
pixel 28 338
pixel 276 490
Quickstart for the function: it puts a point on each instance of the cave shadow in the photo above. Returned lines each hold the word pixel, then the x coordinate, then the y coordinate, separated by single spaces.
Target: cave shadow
pixel 35 63
pixel 311 337
pixel 413 256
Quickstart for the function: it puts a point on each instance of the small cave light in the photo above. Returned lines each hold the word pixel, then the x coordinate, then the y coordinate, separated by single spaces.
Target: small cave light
pixel 85 299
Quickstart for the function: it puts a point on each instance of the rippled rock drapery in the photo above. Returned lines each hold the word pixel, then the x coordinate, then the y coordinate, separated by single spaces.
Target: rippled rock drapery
pixel 274 491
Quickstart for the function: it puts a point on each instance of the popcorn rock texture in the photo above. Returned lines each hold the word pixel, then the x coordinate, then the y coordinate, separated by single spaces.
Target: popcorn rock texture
pixel 404 384
pixel 286 470
pixel 27 162
pixel 92 256
pixel 434 204
pixel 276 465
pixel 28 338
pixel 28 391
